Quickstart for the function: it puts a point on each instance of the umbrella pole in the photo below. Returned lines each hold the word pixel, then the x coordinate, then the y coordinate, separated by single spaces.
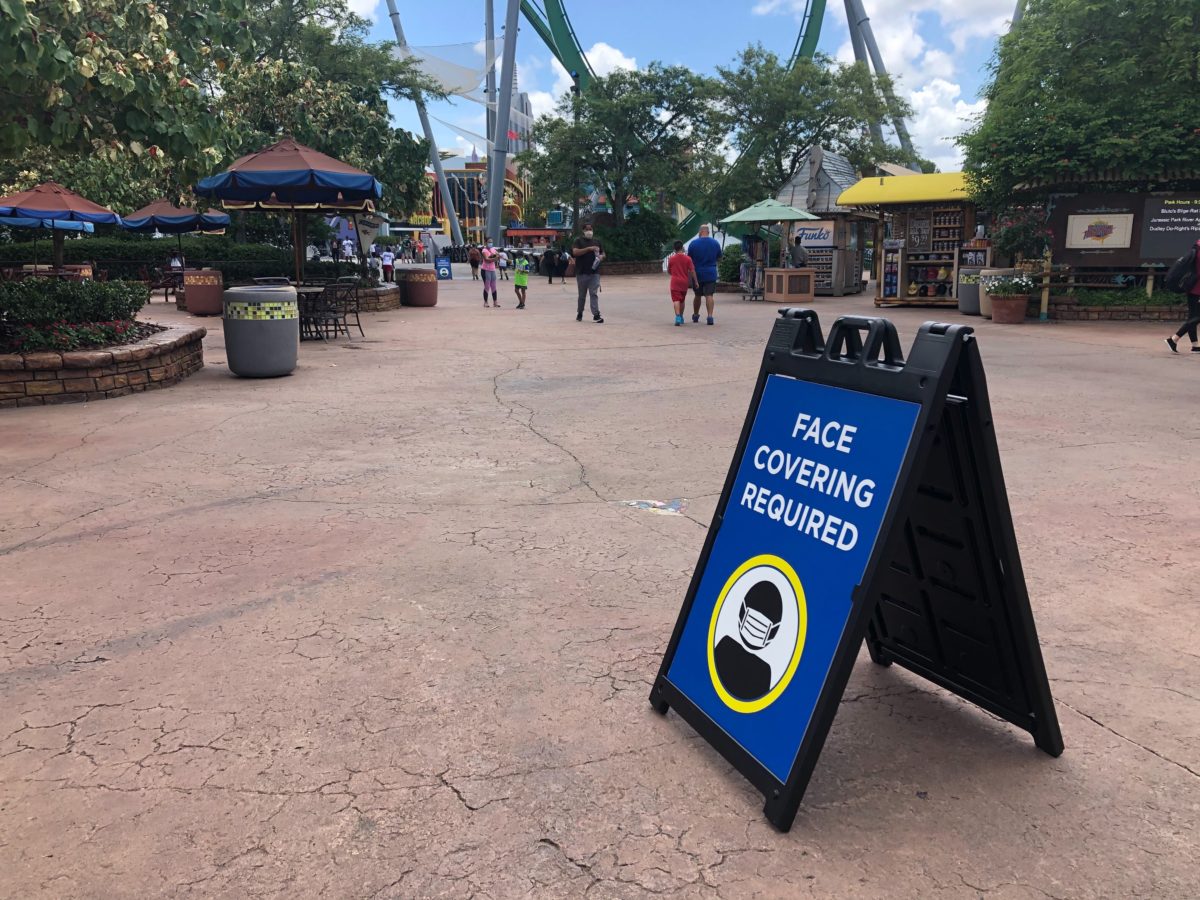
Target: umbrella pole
pixel 296 244
pixel 58 249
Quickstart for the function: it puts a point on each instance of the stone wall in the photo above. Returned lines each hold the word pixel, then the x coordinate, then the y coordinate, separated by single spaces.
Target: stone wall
pixel 1074 309
pixel 379 299
pixel 37 379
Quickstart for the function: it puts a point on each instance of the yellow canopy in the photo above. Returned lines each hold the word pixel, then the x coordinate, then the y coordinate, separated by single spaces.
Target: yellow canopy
pixel 941 187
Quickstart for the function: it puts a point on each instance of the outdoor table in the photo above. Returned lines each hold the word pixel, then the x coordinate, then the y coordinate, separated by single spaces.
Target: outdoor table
pixel 308 298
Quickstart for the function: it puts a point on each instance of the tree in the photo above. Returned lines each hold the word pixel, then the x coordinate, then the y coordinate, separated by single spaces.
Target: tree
pixel 777 115
pixel 105 77
pixel 1081 87
pixel 267 100
pixel 628 134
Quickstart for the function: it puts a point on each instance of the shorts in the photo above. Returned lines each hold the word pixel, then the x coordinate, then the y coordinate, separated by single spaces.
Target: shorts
pixel 707 288
pixel 679 293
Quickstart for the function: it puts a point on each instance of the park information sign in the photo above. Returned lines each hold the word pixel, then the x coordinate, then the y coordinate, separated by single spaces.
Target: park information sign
pixel 827 502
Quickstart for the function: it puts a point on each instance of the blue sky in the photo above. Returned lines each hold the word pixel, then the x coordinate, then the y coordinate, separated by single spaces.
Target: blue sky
pixel 937 49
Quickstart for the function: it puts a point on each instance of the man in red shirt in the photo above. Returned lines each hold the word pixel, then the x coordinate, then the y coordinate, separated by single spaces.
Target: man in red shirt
pixel 1193 313
pixel 683 276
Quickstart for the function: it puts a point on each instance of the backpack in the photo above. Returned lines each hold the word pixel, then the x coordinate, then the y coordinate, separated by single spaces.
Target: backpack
pixel 1181 277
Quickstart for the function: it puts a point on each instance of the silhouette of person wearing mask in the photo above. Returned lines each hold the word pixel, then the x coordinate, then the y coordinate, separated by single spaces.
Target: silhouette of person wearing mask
pixel 745 674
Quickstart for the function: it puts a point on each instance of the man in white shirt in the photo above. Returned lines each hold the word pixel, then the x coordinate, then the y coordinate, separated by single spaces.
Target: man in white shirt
pixel 389 261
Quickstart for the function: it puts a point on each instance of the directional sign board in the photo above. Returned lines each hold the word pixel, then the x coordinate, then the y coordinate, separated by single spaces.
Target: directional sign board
pixel 818 511
pixel 442 265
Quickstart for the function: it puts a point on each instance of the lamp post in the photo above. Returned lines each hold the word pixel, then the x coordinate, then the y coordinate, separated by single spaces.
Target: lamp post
pixel 575 179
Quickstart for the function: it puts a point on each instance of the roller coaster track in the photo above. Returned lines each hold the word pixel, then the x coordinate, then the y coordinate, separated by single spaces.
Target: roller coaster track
pixel 553 26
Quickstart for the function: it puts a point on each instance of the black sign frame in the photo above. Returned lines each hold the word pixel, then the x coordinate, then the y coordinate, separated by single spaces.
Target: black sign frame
pixel 944 367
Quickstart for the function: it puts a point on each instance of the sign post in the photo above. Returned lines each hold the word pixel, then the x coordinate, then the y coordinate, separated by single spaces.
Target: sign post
pixel 441 265
pixel 865 501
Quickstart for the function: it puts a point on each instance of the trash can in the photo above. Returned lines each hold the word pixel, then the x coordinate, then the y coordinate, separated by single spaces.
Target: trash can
pixel 262 330
pixel 202 290
pixel 968 291
pixel 418 287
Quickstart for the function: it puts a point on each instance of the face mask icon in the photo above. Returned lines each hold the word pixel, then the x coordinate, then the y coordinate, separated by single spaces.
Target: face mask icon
pixel 756 629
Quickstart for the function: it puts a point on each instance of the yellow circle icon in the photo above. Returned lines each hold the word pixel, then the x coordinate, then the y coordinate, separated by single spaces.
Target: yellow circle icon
pixel 757 653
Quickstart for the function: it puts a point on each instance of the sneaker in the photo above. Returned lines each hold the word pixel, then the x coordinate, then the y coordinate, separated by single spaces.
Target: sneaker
pixel 520 306
pixel 696 318
pixel 710 320
pixel 579 318
pixel 495 305
pixel 1171 343
pixel 599 320
pixel 679 320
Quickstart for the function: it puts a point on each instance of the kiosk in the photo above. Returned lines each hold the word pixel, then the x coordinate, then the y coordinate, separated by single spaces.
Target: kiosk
pixel 926 232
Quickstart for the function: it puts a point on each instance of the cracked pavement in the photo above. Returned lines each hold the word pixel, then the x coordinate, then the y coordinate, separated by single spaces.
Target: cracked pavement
pixel 386 628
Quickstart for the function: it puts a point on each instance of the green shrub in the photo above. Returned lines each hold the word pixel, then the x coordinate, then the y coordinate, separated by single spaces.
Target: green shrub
pixel 645 235
pixel 44 301
pixel 1130 296
pixel 67 336
pixel 730 264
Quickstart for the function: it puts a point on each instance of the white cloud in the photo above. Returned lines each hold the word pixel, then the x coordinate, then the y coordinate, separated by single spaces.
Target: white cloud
pixel 604 59
pixel 364 8
pixel 927 76
pixel 939 114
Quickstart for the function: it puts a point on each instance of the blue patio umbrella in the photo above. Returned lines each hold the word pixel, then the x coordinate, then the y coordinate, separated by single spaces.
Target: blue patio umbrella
pixel 288 176
pixel 163 217
pixel 48 224
pixel 53 202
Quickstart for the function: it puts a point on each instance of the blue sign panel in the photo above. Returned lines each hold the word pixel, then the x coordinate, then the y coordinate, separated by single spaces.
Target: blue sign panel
pixel 442 265
pixel 806 509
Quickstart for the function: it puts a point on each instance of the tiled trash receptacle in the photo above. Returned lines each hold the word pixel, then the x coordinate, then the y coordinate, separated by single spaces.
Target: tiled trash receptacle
pixel 262 330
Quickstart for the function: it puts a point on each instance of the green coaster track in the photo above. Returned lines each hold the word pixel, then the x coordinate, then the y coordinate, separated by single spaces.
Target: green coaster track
pixel 553 26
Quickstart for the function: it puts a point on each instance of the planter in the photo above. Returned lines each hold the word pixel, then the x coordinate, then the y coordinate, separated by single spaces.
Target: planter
pixel 1009 309
pixel 985 299
pixel 418 287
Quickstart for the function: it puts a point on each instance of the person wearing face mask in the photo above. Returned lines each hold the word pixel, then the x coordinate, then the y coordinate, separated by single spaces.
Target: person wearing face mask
pixel 588 256
pixel 487 268
pixel 745 674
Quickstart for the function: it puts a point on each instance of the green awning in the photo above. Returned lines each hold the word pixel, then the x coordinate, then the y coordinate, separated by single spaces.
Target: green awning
pixel 767 212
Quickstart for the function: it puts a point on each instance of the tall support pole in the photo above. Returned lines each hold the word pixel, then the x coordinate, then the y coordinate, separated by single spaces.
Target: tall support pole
pixel 499 159
pixel 443 185
pixel 1018 13
pixel 860 55
pixel 489 84
pixel 862 21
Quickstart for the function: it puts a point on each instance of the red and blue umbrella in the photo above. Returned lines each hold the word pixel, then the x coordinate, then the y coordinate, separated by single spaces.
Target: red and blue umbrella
pixel 164 217
pixel 51 202
pixel 290 176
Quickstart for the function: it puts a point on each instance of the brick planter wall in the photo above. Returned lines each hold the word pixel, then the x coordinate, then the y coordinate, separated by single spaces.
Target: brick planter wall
pixel 379 299
pixel 1070 309
pixel 37 379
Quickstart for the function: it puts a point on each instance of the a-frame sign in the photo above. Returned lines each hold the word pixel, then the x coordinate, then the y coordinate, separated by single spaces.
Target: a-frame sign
pixel 865 501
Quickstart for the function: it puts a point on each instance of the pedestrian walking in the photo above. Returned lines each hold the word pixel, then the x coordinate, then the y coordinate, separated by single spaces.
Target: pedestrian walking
pixel 550 263
pixel 474 257
pixel 502 265
pixel 705 251
pixel 588 254
pixel 1193 307
pixel 683 276
pixel 487 268
pixel 348 250
pixel 564 262
pixel 520 278
pixel 388 259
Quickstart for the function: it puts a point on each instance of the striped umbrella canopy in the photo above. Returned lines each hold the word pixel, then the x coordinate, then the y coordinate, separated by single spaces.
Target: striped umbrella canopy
pixel 166 218
pixel 48 225
pixel 288 176
pixel 52 202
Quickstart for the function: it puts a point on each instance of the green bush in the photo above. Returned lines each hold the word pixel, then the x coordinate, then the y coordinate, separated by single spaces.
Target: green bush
pixel 645 235
pixel 730 264
pixel 67 336
pixel 1130 296
pixel 45 301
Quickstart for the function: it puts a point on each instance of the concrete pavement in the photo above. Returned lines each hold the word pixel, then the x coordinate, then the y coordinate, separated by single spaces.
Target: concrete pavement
pixel 386 627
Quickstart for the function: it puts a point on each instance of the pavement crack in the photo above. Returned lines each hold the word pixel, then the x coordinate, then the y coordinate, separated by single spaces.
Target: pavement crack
pixel 1130 740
